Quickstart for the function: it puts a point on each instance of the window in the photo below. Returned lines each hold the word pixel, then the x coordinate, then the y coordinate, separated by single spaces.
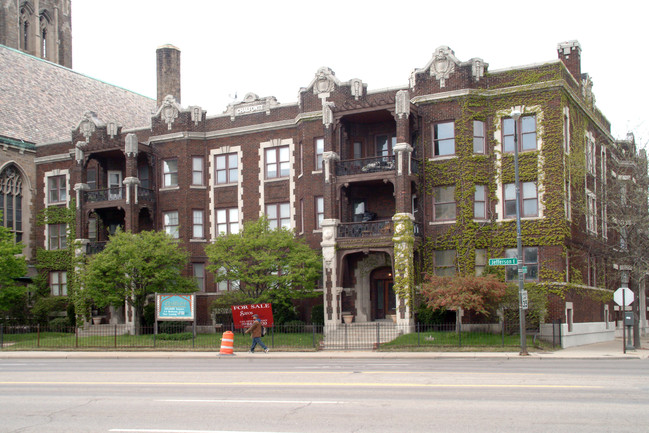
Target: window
pixel 170 220
pixel 277 162
pixel 530 260
pixel 11 201
pixel 480 261
pixel 91 178
pixel 59 283
pixel 279 215
pixel 480 202
pixel 301 215
pixel 92 229
pixel 197 224
pixel 199 275
pixel 227 221
pixel 57 236
pixel 170 172
pixel 197 170
pixel 445 263
pixel 478 137
pixel 57 192
pixel 591 156
pixel 526 129
pixel 444 139
pixel 226 285
pixel 319 211
pixel 591 212
pixel 529 200
pixel 319 152
pixel 143 175
pixel 227 168
pixel 444 203
pixel 384 145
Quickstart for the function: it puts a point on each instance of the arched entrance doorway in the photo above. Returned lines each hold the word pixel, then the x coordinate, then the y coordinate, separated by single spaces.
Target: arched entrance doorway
pixel 382 297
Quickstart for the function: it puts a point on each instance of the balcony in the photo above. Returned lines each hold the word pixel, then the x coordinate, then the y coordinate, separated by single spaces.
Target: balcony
pixel 145 194
pixel 95 247
pixel 377 164
pixel 106 194
pixel 365 229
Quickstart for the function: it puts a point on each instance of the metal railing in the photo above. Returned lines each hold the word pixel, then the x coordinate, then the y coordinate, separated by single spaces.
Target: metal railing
pixel 366 229
pixel 105 194
pixel 145 194
pixel 365 165
pixel 379 335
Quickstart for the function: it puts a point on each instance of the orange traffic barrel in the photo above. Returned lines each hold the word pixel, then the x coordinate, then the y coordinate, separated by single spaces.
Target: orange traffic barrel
pixel 227 343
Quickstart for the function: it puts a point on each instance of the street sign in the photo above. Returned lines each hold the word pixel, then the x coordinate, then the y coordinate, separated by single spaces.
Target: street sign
pixel 503 261
pixel 623 296
pixel 524 299
pixel 522 270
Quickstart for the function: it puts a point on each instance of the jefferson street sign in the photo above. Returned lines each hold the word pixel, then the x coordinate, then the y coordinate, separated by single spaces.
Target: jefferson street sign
pixel 503 262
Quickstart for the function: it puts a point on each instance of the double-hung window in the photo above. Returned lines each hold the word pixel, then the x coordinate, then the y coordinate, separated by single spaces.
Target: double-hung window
pixel 529 200
pixel 197 224
pixel 227 168
pixel 227 221
pixel 169 173
pixel 57 234
pixel 197 170
pixel 198 270
pixel 530 261
pixel 319 153
pixel 479 138
pixel 170 221
pixel 59 283
pixel 279 215
pixel 57 192
pixel 444 203
pixel 319 211
pixel 525 130
pixel 480 202
pixel 277 162
pixel 444 139
pixel 445 263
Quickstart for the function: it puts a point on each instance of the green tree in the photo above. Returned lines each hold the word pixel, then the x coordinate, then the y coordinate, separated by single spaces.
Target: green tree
pixel 269 265
pixel 134 266
pixel 12 267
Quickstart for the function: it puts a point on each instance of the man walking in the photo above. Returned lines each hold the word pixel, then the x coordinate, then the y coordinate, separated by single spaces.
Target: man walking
pixel 255 333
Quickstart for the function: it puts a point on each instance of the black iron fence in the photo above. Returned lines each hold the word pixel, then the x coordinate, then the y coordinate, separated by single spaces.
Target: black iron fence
pixel 380 335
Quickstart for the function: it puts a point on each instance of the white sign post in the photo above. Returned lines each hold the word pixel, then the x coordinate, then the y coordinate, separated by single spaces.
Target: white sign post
pixel 624 297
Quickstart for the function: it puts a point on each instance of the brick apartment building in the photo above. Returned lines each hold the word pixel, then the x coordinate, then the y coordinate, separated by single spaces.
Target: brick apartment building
pixel 387 184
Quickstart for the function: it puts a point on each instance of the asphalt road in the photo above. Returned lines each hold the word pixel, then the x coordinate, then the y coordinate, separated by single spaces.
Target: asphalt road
pixel 337 395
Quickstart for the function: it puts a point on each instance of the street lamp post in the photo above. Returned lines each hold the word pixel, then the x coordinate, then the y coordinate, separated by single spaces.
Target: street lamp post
pixel 516 114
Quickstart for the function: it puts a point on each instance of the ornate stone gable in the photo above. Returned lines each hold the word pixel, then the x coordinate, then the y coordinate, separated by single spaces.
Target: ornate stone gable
pixel 444 64
pixel 168 111
pixel 251 104
pixel 89 124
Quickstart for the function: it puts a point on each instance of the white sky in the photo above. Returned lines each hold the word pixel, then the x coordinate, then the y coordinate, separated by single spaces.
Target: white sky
pixel 272 48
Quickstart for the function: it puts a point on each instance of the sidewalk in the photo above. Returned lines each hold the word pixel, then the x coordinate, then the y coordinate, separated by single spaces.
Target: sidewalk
pixel 607 350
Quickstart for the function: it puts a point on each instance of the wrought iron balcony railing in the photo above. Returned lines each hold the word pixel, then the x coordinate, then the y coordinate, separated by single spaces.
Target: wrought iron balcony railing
pixel 365 165
pixel 106 194
pixel 145 194
pixel 366 229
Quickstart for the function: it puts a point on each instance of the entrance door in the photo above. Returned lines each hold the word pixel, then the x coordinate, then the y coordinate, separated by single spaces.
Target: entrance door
pixel 382 294
pixel 114 185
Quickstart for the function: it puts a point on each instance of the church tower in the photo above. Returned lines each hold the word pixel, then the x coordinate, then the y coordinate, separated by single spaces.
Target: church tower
pixel 42 28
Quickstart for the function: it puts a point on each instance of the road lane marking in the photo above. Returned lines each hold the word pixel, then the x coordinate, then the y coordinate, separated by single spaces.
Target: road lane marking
pixel 150 430
pixel 321 384
pixel 253 401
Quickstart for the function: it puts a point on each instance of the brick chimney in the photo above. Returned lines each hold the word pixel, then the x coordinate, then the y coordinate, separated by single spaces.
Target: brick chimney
pixel 570 54
pixel 168 70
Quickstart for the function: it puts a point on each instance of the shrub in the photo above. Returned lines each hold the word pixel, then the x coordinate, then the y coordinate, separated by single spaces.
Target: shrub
pixel 293 326
pixel 60 324
pixel 317 315
pixel 48 306
pixel 176 327
pixel 180 336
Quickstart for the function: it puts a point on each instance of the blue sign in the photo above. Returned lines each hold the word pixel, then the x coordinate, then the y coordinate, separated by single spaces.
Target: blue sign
pixel 175 307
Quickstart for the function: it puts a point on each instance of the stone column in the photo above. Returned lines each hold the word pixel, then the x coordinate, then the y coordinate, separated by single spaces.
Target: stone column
pixel 404 267
pixel 331 292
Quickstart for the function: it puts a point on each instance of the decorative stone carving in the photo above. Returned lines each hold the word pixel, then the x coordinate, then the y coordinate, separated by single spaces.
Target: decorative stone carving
pixel 356 88
pixel 251 104
pixel 89 124
pixel 327 113
pixel 324 82
pixel 587 91
pixel 111 129
pixel 443 65
pixel 328 157
pixel 169 110
pixel 197 114
pixel 402 104
pixel 79 151
pixel 477 68
pixel 131 146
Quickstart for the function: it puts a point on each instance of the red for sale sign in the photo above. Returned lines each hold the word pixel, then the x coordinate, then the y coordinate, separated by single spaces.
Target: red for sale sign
pixel 242 315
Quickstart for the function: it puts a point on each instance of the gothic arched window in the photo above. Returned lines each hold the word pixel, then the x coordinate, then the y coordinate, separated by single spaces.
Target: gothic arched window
pixel 11 200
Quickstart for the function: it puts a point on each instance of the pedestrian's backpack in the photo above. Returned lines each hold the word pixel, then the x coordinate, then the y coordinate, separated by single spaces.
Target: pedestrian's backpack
pixel 263 331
